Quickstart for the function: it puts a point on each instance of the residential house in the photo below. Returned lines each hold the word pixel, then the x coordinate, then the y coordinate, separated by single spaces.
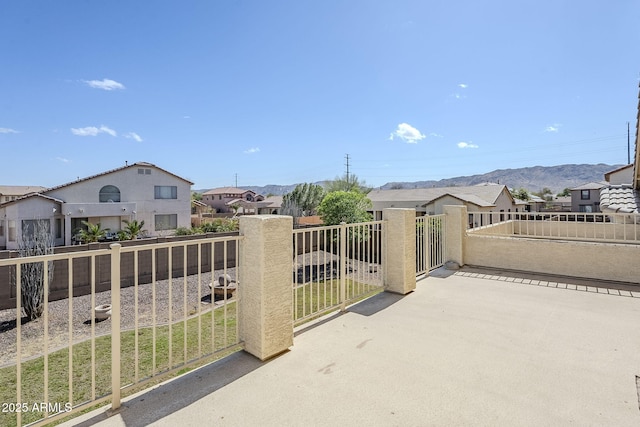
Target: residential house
pixel 586 197
pixel 140 191
pixel 9 193
pixel 224 199
pixel 430 201
pixel 623 175
pixel 270 205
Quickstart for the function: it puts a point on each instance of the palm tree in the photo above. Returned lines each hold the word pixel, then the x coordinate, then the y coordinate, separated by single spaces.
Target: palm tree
pixel 93 233
pixel 133 229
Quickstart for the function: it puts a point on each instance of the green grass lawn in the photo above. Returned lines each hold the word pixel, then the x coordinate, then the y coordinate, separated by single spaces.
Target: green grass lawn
pixel 317 297
pixel 198 345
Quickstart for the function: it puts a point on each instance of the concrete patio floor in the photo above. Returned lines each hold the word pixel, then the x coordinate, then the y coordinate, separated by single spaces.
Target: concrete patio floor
pixel 470 348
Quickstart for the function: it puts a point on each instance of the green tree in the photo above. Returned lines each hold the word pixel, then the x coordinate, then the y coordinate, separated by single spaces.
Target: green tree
pixel 133 229
pixel 345 206
pixel 545 194
pixel 347 183
pixel 303 200
pixel 92 233
pixel 565 193
pixel 521 194
pixel 196 196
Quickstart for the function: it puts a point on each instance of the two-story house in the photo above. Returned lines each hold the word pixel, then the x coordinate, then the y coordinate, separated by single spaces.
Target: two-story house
pixel 140 191
pixel 228 199
pixel 586 197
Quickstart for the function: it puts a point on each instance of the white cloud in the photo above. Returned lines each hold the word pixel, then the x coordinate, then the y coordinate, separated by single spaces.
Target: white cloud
pixel 252 150
pixel 93 131
pixel 186 117
pixel 463 86
pixel 62 159
pixel 105 129
pixel 437 135
pixel 553 128
pixel 8 130
pixel 407 133
pixel 134 136
pixel 466 145
pixel 104 84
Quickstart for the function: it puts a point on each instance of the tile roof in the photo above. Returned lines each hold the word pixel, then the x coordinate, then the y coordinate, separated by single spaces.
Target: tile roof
pixel 133 165
pixel 620 198
pixel 591 186
pixel 475 193
pixel 228 190
pixel 30 195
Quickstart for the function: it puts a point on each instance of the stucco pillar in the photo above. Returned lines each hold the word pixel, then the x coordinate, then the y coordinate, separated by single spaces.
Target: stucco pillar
pixel 400 252
pixel 455 232
pixel 265 284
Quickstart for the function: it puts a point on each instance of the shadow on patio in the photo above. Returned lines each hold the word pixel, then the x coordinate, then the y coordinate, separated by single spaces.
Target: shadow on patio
pixel 467 349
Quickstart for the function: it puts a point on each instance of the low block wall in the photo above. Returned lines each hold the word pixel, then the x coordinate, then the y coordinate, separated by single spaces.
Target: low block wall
pixel 605 261
pixel 587 230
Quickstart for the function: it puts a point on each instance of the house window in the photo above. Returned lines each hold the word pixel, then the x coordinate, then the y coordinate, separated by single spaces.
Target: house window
pixel 585 195
pixel 586 208
pixel 2 229
pixel 166 222
pixel 12 231
pixel 249 198
pixel 109 193
pixel 30 227
pixel 144 171
pixel 166 192
pixel 58 228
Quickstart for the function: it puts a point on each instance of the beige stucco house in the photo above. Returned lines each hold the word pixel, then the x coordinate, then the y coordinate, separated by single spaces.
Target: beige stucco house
pixel 9 193
pixel 140 191
pixel 430 201
pixel 223 199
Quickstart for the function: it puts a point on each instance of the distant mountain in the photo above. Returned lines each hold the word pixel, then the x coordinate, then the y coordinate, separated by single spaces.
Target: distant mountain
pixel 534 178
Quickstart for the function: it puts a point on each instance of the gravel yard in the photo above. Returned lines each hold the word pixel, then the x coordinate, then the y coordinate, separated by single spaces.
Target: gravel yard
pixel 82 311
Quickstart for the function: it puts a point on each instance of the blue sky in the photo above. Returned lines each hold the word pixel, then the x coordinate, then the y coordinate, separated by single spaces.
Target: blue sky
pixel 278 92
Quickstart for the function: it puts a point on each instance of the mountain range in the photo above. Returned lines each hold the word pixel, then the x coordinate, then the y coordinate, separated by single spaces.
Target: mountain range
pixel 533 179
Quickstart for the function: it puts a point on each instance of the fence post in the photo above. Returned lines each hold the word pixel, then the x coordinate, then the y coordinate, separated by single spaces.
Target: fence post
pixel 400 250
pixel 265 294
pixel 426 245
pixel 343 266
pixel 455 233
pixel 115 326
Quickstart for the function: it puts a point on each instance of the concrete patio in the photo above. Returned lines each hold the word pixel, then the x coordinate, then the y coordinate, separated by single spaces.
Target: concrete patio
pixel 470 348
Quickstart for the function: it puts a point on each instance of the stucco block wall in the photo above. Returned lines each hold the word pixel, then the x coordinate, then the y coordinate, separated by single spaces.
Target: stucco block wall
pixel 400 263
pixel 605 261
pixel 266 303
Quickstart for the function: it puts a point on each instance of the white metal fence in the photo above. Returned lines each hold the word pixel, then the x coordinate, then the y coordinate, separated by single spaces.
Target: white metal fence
pixel 334 266
pixel 68 360
pixel 430 243
pixel 604 227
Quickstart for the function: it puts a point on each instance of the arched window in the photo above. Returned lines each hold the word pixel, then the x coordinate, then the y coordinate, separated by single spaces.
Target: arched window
pixel 109 193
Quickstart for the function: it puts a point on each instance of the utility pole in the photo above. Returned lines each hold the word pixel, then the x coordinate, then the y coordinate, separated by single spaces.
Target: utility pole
pixel 236 180
pixel 347 165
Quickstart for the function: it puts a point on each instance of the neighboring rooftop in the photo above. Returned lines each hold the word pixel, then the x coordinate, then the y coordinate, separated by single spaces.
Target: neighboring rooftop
pixel 620 198
pixel 486 194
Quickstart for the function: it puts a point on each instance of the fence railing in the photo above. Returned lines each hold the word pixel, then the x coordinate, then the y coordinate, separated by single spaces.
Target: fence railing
pixel 334 266
pixel 603 227
pixel 70 358
pixel 430 243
